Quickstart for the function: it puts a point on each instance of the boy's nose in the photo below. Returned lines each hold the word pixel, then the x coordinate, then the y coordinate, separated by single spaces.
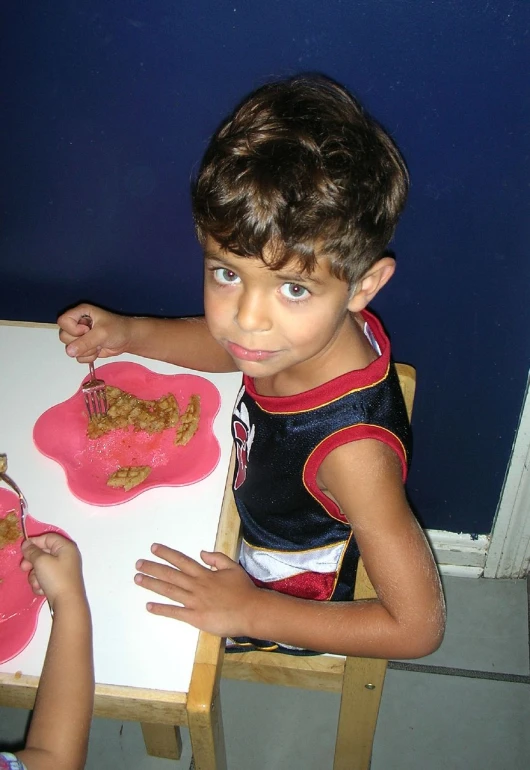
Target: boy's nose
pixel 253 313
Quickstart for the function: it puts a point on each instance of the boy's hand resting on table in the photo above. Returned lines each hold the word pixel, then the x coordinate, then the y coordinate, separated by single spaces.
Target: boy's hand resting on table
pixel 217 600
pixel 109 335
pixel 54 566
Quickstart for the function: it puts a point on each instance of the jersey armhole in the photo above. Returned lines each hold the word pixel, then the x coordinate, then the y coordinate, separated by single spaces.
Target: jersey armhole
pixel 339 438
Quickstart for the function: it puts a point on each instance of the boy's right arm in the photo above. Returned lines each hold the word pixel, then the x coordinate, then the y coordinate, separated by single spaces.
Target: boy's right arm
pixel 181 341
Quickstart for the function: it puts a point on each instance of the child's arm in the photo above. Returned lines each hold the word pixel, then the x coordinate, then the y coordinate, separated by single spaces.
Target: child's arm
pixel 181 341
pixel 406 621
pixel 58 734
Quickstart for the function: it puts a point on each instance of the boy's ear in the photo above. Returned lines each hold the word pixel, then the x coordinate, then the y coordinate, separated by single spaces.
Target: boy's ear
pixel 372 281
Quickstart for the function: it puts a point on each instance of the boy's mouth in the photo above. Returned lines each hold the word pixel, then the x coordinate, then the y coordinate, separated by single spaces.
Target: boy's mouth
pixel 244 354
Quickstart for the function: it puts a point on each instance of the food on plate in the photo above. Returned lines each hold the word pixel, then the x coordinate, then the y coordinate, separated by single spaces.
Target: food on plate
pixel 189 421
pixel 125 409
pixel 153 416
pixel 10 530
pixel 129 477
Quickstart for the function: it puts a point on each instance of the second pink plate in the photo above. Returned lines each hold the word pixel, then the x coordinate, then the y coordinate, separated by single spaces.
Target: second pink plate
pixel 60 433
pixel 19 606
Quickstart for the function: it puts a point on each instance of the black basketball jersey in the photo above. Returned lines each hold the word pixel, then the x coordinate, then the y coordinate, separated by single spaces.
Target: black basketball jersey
pixel 295 538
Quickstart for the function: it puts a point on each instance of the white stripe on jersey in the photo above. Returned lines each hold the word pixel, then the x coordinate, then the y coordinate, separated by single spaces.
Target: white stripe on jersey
pixel 269 566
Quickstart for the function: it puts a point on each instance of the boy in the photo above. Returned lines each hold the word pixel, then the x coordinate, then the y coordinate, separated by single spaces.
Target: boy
pixel 295 202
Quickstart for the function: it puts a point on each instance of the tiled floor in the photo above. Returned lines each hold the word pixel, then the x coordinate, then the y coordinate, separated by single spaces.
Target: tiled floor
pixel 466 707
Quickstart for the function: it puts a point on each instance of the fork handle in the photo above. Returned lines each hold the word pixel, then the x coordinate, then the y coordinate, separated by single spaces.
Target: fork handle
pixel 86 320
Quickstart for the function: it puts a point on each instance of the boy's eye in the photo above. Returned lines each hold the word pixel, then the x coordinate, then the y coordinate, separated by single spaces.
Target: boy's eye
pixel 294 291
pixel 224 275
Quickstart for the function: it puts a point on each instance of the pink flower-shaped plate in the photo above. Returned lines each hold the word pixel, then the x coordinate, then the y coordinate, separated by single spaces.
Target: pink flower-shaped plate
pixel 60 433
pixel 19 606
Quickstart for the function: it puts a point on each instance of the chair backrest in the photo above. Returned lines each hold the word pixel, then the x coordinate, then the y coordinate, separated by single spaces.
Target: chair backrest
pixel 407 380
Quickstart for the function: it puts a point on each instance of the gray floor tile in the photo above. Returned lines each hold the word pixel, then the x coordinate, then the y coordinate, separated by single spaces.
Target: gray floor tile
pixel 487 626
pixel 120 746
pixel 426 722
pixel 13 724
pixel 278 728
pixel 433 722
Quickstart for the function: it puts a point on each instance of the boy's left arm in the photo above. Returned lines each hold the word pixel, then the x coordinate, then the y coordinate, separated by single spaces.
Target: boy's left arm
pixel 407 619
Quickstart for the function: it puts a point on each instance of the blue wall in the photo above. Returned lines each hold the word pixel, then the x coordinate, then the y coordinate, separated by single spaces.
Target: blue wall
pixel 109 106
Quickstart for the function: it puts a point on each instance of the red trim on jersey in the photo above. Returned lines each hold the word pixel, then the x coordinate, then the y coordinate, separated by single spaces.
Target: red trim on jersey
pixel 335 388
pixel 339 438
pixel 306 585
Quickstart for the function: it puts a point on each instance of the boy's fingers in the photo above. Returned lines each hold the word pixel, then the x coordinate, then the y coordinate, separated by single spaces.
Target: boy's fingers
pixel 170 611
pixel 166 574
pixel 31 551
pixel 217 559
pixel 169 590
pixel 34 583
pixel 80 340
pixel 69 321
pixel 49 542
pixel 177 559
pixel 83 349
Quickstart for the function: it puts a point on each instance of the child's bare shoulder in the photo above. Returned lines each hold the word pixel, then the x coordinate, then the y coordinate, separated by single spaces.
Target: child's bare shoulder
pixel 364 477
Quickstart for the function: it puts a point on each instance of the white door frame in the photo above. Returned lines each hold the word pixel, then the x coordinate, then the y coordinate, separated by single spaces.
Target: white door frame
pixel 509 550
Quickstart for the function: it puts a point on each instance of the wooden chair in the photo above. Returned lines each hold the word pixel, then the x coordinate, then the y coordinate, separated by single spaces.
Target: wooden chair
pixel 359 680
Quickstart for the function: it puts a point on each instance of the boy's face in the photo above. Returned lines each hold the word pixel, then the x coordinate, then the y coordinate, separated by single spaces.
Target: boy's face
pixel 271 321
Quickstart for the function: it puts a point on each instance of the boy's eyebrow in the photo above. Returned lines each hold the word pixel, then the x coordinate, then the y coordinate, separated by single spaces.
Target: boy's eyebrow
pixel 291 277
pixel 213 255
pixel 218 256
pixel 298 278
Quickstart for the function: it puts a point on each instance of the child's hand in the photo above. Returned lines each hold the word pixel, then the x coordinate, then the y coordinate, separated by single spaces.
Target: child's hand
pixel 218 600
pixel 54 566
pixel 109 335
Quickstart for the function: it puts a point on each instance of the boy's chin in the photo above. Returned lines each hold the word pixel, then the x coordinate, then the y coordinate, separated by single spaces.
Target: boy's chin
pixel 255 369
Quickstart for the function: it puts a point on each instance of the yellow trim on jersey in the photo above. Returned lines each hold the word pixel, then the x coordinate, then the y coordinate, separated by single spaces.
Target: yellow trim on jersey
pixel 325 403
pixel 303 550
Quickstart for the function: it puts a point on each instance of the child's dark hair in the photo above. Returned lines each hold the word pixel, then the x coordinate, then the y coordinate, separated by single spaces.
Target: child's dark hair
pixel 302 169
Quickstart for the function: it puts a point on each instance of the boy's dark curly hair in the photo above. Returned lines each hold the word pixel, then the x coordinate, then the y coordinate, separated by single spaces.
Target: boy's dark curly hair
pixel 302 169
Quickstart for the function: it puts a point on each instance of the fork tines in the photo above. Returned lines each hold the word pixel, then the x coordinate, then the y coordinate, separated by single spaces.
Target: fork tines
pixel 94 389
pixel 95 394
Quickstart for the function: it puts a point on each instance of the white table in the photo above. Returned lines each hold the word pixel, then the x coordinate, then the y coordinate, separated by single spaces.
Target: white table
pixel 151 669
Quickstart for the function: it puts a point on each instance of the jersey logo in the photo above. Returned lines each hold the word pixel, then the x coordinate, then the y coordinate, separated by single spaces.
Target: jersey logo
pixel 243 438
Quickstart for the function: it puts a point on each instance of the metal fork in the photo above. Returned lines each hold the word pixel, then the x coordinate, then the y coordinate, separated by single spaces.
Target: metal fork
pixel 10 483
pixel 94 389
